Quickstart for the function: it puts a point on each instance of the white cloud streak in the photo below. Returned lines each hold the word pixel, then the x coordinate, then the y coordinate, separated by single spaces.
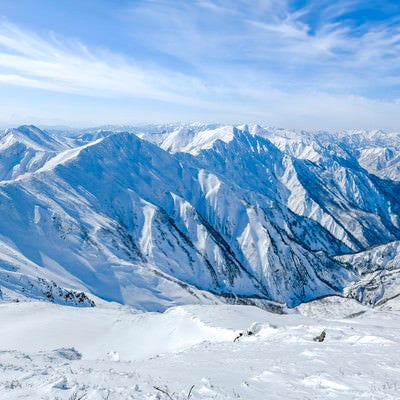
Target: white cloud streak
pixel 29 60
pixel 263 62
pixel 270 40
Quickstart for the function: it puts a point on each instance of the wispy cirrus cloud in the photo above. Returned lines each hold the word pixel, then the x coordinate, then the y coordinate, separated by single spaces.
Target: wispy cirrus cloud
pixel 51 63
pixel 259 60
pixel 273 41
pixel 207 43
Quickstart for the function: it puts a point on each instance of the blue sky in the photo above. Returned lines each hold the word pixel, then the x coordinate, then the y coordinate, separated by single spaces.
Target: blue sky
pixel 307 64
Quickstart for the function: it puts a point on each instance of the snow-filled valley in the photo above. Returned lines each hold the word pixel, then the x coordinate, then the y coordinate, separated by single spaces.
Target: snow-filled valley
pixel 131 259
pixel 160 216
pixel 56 352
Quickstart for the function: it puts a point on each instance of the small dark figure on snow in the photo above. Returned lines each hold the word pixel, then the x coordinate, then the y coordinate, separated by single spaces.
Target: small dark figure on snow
pixel 238 337
pixel 321 337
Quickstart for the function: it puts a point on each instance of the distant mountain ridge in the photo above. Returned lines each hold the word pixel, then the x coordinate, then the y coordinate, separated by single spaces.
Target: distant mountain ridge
pixel 165 215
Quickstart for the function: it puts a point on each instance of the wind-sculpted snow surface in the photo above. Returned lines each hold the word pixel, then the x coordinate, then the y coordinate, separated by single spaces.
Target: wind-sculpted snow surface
pixel 53 352
pixel 162 216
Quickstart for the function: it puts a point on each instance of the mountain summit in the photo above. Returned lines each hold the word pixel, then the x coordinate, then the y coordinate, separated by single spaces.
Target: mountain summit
pixel 160 216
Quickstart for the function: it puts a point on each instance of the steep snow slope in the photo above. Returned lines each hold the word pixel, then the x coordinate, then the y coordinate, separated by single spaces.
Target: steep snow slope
pixel 376 151
pixel 26 149
pixel 379 269
pixel 101 230
pixel 201 212
pixel 334 189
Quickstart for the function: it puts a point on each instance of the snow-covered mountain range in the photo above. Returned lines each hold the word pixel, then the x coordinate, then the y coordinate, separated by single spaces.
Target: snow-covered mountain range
pixel 156 216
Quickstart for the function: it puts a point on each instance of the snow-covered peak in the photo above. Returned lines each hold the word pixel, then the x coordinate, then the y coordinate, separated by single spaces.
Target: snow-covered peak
pixel 27 149
pixel 32 137
pixel 192 141
pixel 155 217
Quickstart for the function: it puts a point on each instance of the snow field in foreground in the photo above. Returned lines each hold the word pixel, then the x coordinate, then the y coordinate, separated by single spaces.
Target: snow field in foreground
pixel 50 352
